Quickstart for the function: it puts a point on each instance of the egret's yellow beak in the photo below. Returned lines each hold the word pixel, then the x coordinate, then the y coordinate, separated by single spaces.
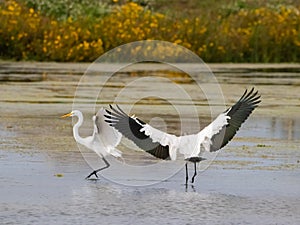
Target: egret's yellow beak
pixel 66 115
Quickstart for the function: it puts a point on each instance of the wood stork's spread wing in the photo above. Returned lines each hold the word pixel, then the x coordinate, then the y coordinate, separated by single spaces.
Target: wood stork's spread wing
pixel 237 114
pixel 162 145
pixel 108 136
pixel 131 127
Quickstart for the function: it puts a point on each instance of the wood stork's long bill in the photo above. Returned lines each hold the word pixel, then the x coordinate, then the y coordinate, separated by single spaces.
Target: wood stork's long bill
pixel 165 146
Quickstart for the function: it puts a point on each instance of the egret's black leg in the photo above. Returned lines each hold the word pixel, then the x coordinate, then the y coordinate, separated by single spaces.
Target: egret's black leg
pixel 98 170
pixel 186 174
pixel 195 173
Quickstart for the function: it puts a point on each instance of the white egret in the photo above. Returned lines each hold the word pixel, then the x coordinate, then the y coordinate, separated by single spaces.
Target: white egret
pixel 103 141
pixel 165 146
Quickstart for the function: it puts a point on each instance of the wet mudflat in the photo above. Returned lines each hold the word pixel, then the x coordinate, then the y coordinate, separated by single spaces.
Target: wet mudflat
pixel 253 180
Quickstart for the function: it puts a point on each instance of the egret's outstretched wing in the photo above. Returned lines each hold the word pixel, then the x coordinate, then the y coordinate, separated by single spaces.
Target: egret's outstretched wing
pixel 109 136
pixel 235 115
pixel 131 128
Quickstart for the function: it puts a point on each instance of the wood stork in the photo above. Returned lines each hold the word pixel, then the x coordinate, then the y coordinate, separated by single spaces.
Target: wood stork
pixel 166 146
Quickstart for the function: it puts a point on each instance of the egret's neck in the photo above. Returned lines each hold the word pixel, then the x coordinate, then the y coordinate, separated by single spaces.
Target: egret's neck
pixel 75 129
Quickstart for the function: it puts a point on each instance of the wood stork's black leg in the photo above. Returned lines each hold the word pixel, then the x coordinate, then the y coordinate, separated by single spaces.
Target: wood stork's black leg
pixel 98 170
pixel 186 174
pixel 195 173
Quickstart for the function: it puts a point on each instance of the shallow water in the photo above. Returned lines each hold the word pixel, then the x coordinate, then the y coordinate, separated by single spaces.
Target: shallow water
pixel 30 193
pixel 253 180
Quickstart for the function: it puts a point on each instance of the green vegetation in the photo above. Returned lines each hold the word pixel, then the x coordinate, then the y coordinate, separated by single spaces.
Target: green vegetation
pixel 64 9
pixel 82 30
pixel 262 146
pixel 58 175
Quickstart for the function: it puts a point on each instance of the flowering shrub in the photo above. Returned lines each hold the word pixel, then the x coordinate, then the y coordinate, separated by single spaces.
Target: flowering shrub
pixel 265 34
pixel 69 41
pixel 260 35
pixel 129 23
pixel 26 34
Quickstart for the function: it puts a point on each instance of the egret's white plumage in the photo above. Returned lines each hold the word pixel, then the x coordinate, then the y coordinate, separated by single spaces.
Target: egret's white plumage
pixel 104 139
pixel 105 136
pixel 166 146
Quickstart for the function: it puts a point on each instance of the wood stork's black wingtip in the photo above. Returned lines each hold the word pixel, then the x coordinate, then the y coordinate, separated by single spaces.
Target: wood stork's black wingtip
pixel 251 95
pixel 107 117
pixel 109 122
